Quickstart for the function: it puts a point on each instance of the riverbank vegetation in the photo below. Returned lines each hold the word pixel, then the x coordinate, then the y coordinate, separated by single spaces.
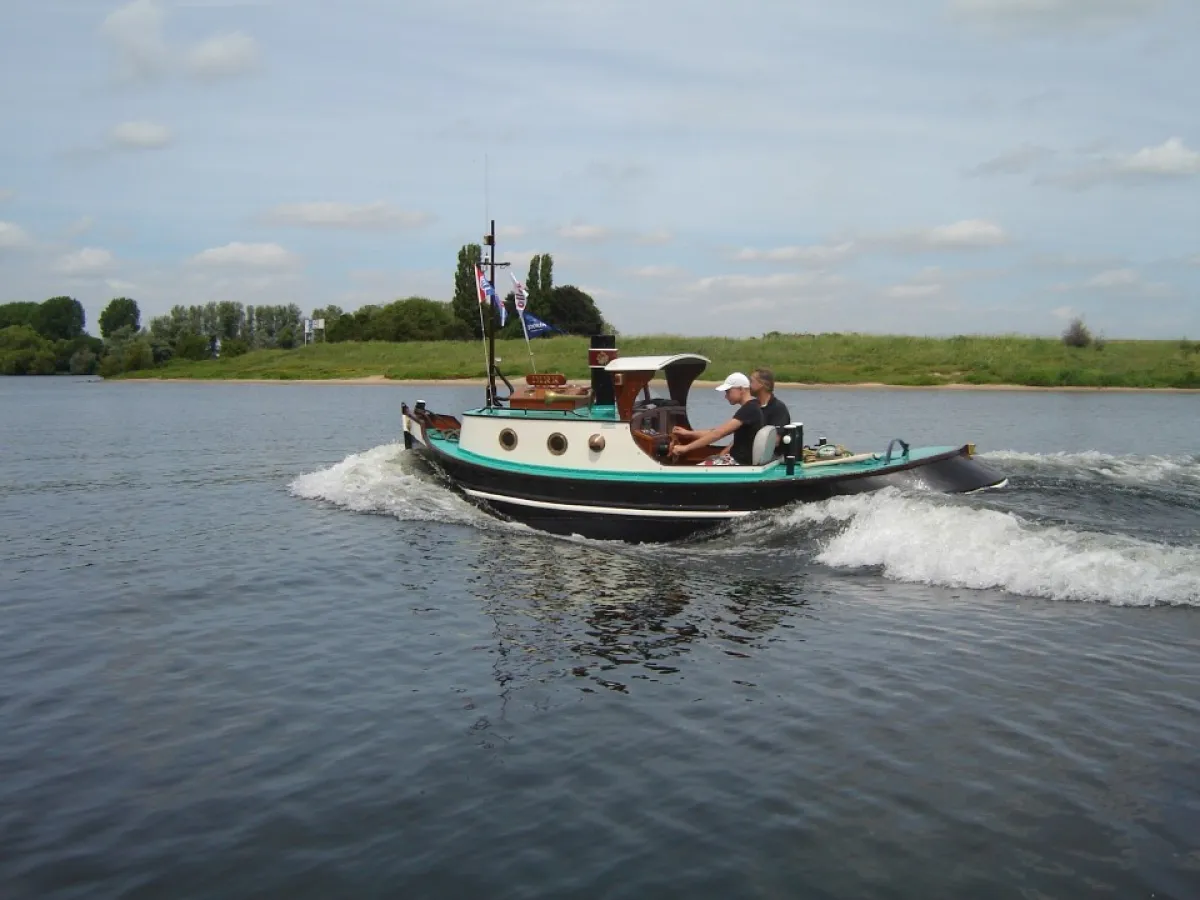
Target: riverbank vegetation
pixel 810 359
pixel 422 339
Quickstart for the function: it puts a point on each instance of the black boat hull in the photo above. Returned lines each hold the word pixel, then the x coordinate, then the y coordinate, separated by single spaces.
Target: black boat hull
pixel 643 512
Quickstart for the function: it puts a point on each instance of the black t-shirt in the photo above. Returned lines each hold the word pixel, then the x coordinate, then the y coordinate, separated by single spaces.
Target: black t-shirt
pixel 775 413
pixel 751 417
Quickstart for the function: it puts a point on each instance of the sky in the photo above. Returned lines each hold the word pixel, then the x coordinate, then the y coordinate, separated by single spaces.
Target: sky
pixel 921 167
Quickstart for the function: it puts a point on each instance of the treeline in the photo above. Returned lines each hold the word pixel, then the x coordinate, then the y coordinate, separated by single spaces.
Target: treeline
pixel 199 332
pixel 46 338
pixel 565 308
pixel 49 338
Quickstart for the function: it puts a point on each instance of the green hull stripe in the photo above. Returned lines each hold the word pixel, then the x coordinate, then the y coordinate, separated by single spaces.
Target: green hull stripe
pixel 689 474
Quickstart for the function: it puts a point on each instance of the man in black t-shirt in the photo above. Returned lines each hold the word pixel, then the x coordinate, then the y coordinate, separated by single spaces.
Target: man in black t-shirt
pixel 762 385
pixel 747 420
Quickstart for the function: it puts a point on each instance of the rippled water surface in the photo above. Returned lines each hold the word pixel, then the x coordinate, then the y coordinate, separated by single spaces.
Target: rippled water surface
pixel 249 649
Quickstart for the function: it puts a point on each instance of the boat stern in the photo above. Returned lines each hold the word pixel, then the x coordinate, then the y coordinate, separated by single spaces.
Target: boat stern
pixel 410 428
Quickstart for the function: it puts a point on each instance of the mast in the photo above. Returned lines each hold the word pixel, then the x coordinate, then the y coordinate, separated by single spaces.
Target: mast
pixel 490 240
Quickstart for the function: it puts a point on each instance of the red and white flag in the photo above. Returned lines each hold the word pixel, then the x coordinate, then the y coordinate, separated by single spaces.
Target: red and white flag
pixel 519 295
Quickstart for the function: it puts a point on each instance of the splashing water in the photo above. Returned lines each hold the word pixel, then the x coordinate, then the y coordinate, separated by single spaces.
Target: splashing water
pixel 385 479
pixel 908 536
pixel 947 543
pixel 1094 465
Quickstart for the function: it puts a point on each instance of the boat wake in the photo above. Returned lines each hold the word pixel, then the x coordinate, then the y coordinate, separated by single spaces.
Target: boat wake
pixel 955 543
pixel 980 542
pixel 1092 465
pixel 387 480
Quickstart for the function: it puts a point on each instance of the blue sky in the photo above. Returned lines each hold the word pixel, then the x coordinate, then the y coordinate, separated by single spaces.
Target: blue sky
pixel 925 167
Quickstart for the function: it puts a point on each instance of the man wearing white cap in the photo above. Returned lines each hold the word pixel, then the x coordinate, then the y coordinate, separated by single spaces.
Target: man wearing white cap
pixel 744 425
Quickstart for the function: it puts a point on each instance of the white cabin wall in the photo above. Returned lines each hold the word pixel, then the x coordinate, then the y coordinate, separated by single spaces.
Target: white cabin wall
pixel 481 435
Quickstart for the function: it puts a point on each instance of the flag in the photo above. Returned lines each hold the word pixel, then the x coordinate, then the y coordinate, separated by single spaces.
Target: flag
pixel 535 326
pixel 484 286
pixel 519 293
pixel 486 292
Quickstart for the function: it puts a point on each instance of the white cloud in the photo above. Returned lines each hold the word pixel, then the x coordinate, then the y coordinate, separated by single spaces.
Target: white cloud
pixel 1114 278
pixel 135 32
pixel 88 261
pixel 661 236
pixel 584 232
pixel 1121 282
pixel 120 287
pixel 782 281
pixel 967 234
pixel 654 271
pixel 368 216
pixel 1015 161
pixel 80 226
pixel 1171 159
pixel 140 135
pixel 252 256
pixel 912 291
pixel 815 254
pixel 1050 15
pixel 223 55
pixel 13 237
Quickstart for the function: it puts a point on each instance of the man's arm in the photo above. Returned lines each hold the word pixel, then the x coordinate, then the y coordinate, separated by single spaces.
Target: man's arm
pixel 704 438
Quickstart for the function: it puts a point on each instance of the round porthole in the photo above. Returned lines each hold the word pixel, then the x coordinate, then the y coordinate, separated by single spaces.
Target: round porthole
pixel 557 444
pixel 508 439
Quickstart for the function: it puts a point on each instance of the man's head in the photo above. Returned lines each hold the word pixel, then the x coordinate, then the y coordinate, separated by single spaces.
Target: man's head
pixel 736 388
pixel 762 379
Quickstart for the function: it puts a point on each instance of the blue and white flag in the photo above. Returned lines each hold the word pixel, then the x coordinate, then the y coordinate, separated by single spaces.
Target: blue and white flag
pixel 535 326
pixel 486 292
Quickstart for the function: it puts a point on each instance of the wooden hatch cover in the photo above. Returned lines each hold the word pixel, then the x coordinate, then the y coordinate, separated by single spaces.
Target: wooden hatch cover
pixel 549 390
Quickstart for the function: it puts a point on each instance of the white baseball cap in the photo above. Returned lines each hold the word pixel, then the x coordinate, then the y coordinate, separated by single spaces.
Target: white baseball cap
pixel 734 380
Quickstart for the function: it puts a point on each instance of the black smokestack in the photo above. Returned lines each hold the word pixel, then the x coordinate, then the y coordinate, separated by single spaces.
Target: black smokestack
pixel 603 350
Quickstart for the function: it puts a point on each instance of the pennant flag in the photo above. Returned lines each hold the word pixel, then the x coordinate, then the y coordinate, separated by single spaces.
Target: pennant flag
pixel 484 286
pixel 499 304
pixel 519 293
pixel 486 292
pixel 535 326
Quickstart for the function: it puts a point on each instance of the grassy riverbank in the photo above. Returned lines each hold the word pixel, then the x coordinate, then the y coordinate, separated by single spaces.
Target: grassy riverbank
pixel 820 359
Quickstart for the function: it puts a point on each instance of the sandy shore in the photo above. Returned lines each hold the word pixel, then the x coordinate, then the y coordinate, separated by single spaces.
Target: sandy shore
pixel 786 385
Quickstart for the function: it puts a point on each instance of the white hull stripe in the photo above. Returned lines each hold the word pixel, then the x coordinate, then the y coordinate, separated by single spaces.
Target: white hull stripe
pixel 610 510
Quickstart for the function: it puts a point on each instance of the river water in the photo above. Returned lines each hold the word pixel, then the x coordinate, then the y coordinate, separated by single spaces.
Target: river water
pixel 248 649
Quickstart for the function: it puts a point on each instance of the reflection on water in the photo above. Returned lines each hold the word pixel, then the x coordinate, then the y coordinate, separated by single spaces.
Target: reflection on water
pixel 611 615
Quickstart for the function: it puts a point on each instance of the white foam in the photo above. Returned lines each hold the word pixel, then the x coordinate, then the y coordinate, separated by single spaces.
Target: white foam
pixel 383 480
pixel 948 543
pixel 1092 463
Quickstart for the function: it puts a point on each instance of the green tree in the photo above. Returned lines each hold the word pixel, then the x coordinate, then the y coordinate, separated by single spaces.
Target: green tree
pixel 574 311
pixel 138 354
pixel 25 352
pixel 465 304
pixel 545 276
pixel 18 314
pixel 60 318
pixel 190 345
pixel 414 319
pixel 231 347
pixel 83 362
pixel 533 281
pixel 119 312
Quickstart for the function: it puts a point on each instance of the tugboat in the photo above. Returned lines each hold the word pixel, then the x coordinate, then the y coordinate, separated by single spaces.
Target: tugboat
pixel 596 459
